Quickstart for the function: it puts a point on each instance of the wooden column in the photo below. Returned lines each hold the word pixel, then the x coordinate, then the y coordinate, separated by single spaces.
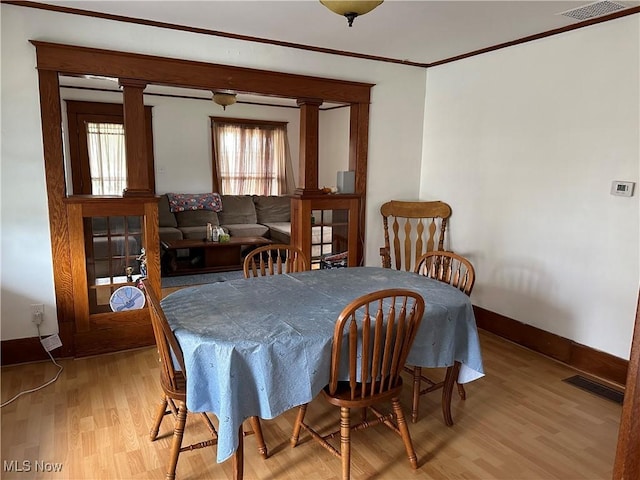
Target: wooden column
pixel 308 172
pixel 358 154
pixel 51 116
pixel 138 181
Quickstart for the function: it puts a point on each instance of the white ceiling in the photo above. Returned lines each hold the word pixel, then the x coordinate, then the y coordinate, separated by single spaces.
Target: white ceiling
pixel 421 31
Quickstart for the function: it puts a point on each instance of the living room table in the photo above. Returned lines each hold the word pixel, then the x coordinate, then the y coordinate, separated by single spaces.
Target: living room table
pixel 261 346
pixel 207 256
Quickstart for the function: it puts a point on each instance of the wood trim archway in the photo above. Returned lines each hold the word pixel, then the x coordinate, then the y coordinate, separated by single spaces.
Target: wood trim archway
pixel 71 59
pixel 134 72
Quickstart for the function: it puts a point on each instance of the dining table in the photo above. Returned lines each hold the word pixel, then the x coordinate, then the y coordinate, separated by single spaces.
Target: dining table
pixel 261 346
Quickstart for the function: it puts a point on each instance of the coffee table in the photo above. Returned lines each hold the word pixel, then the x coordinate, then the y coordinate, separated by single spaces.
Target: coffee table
pixel 205 256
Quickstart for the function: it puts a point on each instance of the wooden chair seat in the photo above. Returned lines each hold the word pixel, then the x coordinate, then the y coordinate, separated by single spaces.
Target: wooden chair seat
pixel 343 394
pixel 176 388
pixel 384 323
pixel 174 395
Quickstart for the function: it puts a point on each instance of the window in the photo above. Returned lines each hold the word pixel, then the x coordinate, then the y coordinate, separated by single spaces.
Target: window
pixel 97 148
pixel 107 161
pixel 251 157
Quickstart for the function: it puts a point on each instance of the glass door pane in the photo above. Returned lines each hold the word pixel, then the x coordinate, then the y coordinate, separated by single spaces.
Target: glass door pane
pixel 329 238
pixel 114 256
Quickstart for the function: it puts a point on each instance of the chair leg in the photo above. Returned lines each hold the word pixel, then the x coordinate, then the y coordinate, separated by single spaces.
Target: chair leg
pixel 178 433
pixel 404 432
pixel 461 391
pixel 238 457
pixel 447 390
pixel 161 412
pixel 172 407
pixel 417 374
pixel 345 442
pixel 298 425
pixel 257 431
pixel 207 421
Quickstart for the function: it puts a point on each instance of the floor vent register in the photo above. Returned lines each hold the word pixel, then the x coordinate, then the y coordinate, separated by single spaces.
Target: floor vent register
pixel 596 388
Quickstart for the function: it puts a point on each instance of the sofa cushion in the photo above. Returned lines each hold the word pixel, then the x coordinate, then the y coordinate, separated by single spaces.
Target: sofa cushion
pixel 246 229
pixel 280 232
pixel 195 232
pixel 169 233
pixel 165 217
pixel 272 208
pixel 196 218
pixel 237 209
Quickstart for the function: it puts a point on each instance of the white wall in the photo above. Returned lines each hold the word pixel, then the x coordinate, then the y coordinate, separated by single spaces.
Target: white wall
pixel 182 135
pixel 333 148
pixel 524 143
pixel 26 276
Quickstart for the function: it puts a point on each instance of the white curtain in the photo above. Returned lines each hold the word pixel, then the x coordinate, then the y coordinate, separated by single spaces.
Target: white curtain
pixel 107 161
pixel 252 159
pixel 290 181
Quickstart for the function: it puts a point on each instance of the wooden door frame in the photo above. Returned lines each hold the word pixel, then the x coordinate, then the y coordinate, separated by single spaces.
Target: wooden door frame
pixel 101 112
pixel 627 464
pixel 53 59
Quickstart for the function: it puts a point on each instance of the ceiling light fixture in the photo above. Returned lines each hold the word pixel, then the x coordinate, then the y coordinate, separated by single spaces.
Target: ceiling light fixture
pixel 350 9
pixel 224 99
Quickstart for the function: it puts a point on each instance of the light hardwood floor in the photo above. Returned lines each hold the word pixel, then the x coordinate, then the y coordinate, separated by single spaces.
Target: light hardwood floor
pixel 519 422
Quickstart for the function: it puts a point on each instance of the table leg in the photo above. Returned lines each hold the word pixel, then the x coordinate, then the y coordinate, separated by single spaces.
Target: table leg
pixel 447 390
pixel 168 261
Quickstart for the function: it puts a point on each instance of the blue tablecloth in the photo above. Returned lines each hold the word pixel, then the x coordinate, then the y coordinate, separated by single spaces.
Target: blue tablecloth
pixel 263 345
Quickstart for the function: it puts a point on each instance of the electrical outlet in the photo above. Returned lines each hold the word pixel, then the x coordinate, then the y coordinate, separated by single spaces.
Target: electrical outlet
pixel 37 313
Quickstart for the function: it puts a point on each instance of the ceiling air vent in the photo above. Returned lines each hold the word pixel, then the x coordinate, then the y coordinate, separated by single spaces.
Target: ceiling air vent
pixel 593 10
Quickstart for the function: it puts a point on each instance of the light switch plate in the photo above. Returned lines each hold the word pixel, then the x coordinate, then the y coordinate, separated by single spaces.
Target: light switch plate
pixel 623 189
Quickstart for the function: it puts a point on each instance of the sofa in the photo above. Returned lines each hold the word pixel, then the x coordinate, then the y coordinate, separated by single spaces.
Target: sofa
pixel 239 215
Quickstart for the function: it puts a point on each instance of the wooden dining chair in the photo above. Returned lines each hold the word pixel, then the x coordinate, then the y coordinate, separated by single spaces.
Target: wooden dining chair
pixel 448 267
pixel 457 271
pixel 384 324
pixel 174 395
pixel 410 230
pixel 274 259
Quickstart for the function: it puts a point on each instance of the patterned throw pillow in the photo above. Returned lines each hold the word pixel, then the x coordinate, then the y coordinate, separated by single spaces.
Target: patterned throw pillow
pixel 181 202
